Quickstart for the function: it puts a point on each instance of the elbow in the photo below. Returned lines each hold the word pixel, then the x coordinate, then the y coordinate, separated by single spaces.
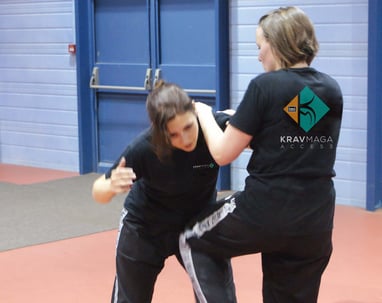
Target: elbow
pixel 101 192
pixel 221 162
pixel 222 159
pixel 101 197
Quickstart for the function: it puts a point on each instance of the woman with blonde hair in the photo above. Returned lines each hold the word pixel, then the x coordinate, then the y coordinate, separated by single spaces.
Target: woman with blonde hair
pixel 290 116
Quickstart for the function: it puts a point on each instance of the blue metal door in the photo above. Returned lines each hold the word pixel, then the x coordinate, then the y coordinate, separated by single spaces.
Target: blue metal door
pixel 133 44
pixel 185 44
pixel 120 74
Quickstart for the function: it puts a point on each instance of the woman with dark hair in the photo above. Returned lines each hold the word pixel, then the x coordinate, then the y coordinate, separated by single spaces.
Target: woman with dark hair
pixel 169 177
pixel 290 116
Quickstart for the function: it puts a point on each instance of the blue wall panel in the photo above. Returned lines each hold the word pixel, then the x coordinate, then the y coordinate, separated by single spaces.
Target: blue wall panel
pixel 38 93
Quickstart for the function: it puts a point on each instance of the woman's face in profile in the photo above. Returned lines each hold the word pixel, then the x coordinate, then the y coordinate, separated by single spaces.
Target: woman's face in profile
pixel 183 131
pixel 266 56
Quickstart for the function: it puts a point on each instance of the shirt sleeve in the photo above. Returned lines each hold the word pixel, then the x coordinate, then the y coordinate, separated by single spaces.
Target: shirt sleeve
pixel 127 155
pixel 222 119
pixel 248 116
pixel 135 153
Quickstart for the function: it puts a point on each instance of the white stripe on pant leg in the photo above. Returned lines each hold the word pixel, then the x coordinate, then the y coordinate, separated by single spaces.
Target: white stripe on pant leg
pixel 197 231
pixel 185 252
pixel 212 220
pixel 123 215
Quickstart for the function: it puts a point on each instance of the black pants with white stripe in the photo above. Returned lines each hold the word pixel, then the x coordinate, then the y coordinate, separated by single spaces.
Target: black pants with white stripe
pixel 140 257
pixel 292 265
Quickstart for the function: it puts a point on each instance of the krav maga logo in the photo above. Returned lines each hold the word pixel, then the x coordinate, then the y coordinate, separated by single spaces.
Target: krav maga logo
pixel 306 109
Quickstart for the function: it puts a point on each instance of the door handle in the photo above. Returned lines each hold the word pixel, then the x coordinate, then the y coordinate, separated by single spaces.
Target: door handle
pixel 156 76
pixel 200 91
pixel 94 82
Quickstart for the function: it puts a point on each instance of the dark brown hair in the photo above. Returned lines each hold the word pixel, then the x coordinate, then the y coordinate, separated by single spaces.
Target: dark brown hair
pixel 291 35
pixel 163 103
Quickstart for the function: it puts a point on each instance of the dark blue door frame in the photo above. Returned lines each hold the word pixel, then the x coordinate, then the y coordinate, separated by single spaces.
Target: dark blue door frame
pixel 86 129
pixel 374 112
pixel 85 58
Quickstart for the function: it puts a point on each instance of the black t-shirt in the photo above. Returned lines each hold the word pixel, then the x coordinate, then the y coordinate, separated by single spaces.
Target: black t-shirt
pixel 166 195
pixel 294 116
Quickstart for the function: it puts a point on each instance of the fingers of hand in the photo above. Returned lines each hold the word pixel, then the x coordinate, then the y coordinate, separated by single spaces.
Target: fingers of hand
pixel 122 179
pixel 122 162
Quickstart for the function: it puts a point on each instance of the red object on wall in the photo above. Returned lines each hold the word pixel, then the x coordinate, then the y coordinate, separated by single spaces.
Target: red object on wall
pixel 72 49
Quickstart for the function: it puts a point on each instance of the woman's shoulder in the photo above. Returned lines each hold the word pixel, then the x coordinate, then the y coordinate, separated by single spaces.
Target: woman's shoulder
pixel 266 78
pixel 327 77
pixel 141 143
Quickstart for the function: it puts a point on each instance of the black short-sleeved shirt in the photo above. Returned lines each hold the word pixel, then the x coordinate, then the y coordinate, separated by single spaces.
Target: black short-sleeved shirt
pixel 166 195
pixel 294 116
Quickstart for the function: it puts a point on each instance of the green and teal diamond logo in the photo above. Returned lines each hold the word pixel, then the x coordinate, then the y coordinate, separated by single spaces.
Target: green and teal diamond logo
pixel 306 109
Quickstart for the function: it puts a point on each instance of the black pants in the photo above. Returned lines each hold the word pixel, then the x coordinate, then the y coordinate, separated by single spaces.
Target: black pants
pixel 292 265
pixel 140 257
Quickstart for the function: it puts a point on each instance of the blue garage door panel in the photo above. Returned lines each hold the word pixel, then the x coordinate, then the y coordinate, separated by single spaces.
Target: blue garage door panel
pixel 119 123
pixel 121 60
pixel 122 50
pixel 186 44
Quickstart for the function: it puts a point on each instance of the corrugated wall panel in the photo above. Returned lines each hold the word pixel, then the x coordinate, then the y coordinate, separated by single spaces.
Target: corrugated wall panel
pixel 38 93
pixel 342 28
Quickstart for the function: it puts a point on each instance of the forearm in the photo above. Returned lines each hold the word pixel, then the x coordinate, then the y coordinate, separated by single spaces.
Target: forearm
pixel 102 191
pixel 212 133
pixel 223 146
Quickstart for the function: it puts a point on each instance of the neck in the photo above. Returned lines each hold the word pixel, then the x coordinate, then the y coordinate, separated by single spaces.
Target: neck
pixel 300 65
